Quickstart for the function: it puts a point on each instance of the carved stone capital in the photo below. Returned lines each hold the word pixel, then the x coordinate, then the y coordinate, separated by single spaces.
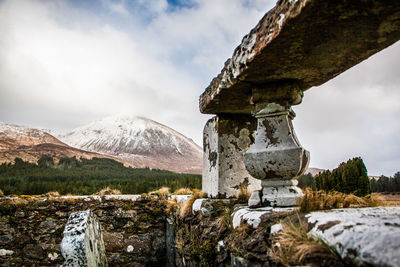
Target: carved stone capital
pixel 286 94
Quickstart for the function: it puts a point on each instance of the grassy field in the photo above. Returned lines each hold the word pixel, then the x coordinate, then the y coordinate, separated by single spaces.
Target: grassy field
pixel 389 199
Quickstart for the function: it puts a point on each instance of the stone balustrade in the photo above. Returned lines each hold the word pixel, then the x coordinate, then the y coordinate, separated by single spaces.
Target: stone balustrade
pixel 297 45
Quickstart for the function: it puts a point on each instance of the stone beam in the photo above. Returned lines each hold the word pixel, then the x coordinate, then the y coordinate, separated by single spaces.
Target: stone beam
pixel 299 44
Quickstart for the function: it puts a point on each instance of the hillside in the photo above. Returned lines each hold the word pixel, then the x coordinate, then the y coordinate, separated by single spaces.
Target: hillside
pixel 139 141
pixel 30 144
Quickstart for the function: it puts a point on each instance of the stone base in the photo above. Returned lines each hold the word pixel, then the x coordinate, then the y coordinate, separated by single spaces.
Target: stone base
pixel 276 193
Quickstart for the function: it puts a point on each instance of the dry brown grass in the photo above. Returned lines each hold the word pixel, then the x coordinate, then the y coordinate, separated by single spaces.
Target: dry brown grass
pixel 293 246
pixel 18 202
pixel 388 199
pixel 183 191
pixel 321 200
pixel 29 196
pixel 108 191
pixel 244 194
pixel 171 205
pixel 186 207
pixel 52 194
pixel 163 191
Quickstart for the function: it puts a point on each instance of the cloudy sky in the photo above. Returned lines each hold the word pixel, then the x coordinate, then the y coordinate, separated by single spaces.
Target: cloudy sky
pixel 66 63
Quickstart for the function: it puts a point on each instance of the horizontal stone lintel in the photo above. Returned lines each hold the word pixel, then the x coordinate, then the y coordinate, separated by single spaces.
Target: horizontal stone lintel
pixel 302 42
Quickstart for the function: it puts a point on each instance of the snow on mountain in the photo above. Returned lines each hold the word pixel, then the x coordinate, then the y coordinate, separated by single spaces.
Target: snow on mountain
pixel 139 141
pixel 30 144
pixel 24 135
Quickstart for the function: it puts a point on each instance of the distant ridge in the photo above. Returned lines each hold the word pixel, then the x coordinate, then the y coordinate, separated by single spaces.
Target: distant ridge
pixel 30 144
pixel 139 141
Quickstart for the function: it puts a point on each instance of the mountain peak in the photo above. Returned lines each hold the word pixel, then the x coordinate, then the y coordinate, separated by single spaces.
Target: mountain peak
pixel 30 144
pixel 138 140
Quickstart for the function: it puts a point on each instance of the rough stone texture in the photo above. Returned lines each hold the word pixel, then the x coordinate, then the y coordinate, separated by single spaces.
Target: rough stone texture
pixel 282 195
pixel 205 205
pixel 367 236
pixel 276 158
pixel 212 241
pixel 135 232
pixel 83 244
pixel 253 217
pixel 225 139
pixel 33 229
pixel 299 44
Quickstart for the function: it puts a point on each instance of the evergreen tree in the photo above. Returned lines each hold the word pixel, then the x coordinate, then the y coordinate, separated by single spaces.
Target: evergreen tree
pixel 45 161
pixel 349 177
pixel 363 184
pixel 306 180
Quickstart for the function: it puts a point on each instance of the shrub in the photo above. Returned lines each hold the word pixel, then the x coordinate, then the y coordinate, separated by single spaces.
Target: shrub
pixel 244 195
pixel 52 194
pixel 163 191
pixel 186 208
pixel 108 191
pixel 183 191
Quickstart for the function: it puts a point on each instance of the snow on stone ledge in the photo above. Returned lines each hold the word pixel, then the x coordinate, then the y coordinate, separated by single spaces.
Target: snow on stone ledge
pixel 180 198
pixel 82 244
pixel 252 216
pixel 368 236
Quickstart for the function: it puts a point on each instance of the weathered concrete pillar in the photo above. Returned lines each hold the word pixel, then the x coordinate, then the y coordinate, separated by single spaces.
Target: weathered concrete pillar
pixel 83 244
pixel 225 139
pixel 276 157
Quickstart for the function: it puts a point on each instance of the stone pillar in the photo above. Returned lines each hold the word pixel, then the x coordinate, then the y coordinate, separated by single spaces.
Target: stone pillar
pixel 276 157
pixel 83 244
pixel 225 139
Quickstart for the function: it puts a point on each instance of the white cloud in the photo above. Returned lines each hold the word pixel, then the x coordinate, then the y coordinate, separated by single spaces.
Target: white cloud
pixel 95 68
pixel 63 65
pixel 355 114
pixel 116 6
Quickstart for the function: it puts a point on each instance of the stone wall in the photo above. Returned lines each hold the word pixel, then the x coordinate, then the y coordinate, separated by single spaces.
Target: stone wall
pixel 206 237
pixel 31 231
pixel 139 232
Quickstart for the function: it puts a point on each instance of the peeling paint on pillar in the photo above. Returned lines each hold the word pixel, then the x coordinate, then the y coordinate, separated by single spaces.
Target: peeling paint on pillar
pixel 226 138
pixel 210 166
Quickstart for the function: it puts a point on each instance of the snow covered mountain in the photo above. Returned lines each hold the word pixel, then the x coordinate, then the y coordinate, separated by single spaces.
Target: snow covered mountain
pixel 30 144
pixel 139 141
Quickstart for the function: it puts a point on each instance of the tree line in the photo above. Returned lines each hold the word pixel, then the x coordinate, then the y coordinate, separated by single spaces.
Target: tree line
pixel 86 176
pixel 386 184
pixel 350 177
